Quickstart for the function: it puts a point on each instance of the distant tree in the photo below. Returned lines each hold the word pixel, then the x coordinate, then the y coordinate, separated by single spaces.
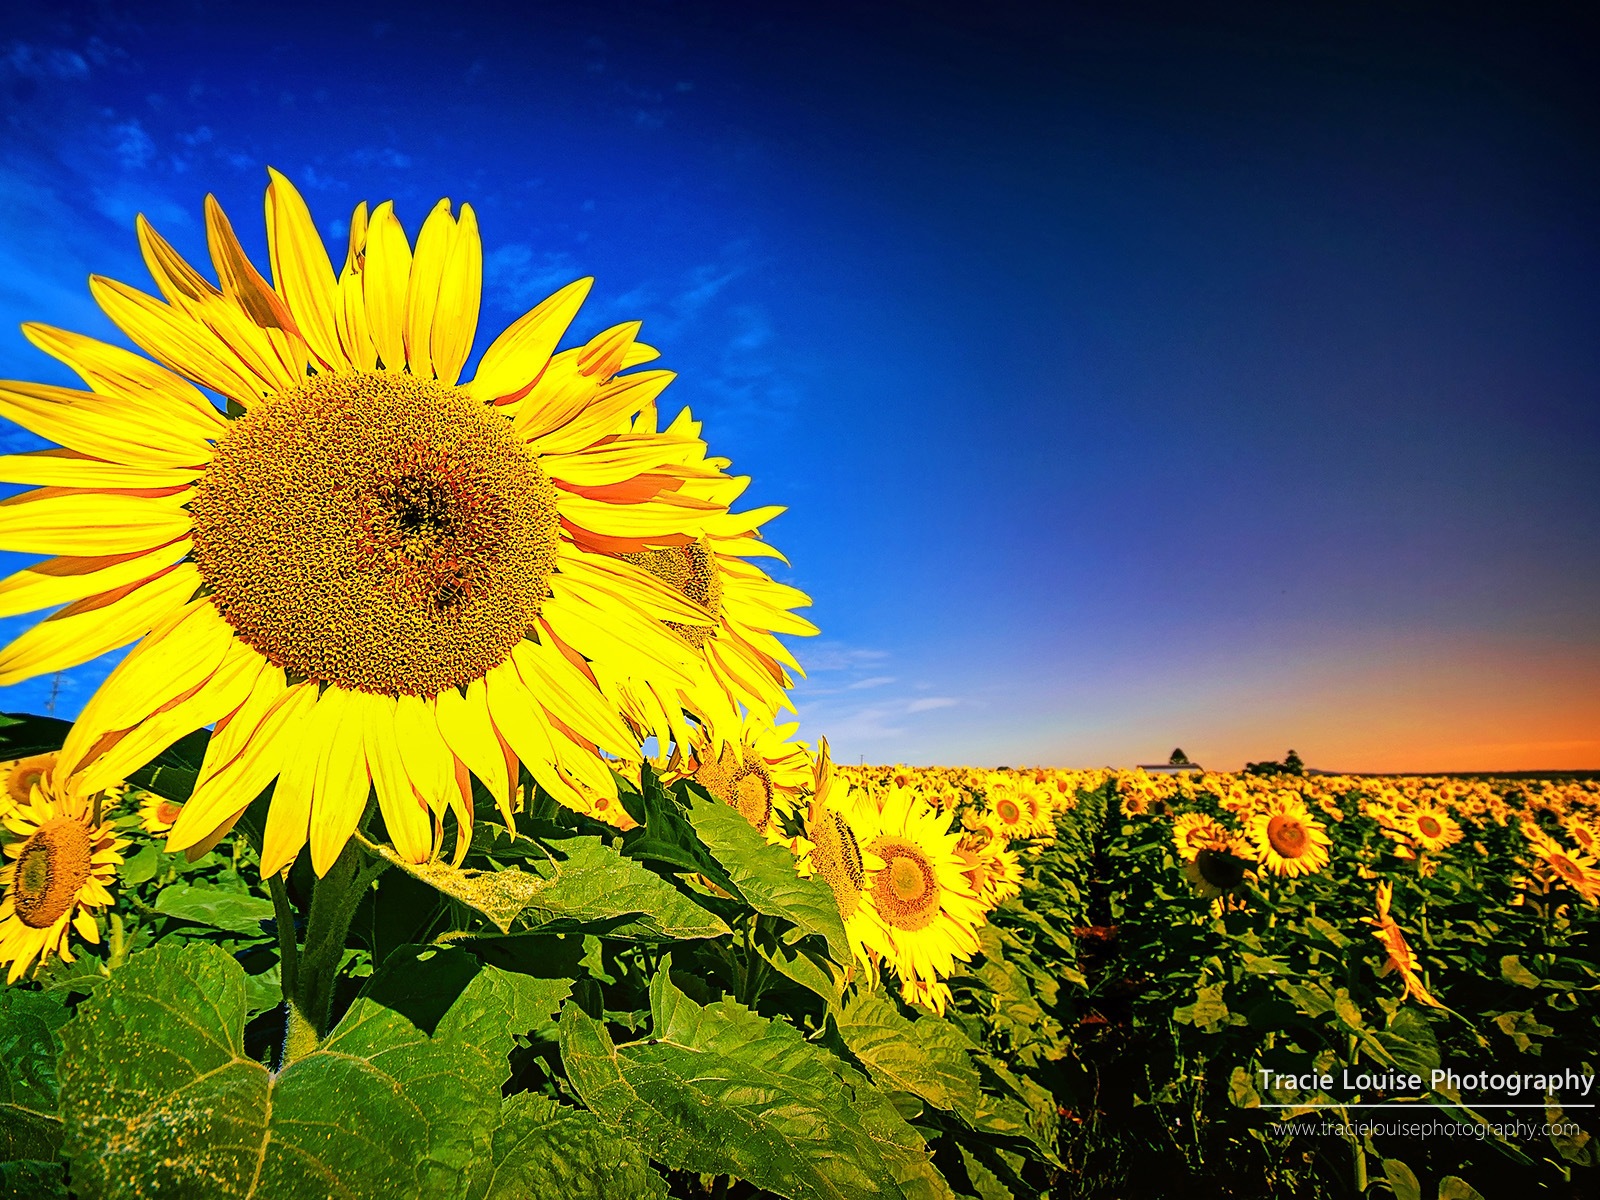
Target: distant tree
pixel 1178 759
pixel 1292 764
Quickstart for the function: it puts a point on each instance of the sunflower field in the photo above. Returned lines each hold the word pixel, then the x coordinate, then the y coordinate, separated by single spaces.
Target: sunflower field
pixel 438 833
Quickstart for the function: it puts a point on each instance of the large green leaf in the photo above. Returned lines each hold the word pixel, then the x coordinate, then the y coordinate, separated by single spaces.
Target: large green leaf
pixel 158 1096
pixel 765 876
pixel 592 888
pixel 927 1057
pixel 29 1043
pixel 543 1148
pixel 720 1090
pixel 666 835
pixel 202 903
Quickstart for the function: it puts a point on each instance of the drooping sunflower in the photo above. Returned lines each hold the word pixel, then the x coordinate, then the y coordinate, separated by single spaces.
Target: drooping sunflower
pixel 926 912
pixel 1194 831
pixel 1401 958
pixel 369 575
pixel 992 868
pixel 1220 868
pixel 763 774
pixel 62 864
pixel 1288 839
pixel 1577 870
pixel 1431 828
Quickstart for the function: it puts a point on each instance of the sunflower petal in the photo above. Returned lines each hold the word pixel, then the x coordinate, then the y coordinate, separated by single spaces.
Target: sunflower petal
pixel 468 731
pixel 112 371
pixel 115 428
pixel 341 783
pixel 91 628
pixel 455 319
pixel 516 359
pixel 302 271
pixel 64 580
pixel 67 521
pixel 385 275
pixel 70 469
pixel 405 814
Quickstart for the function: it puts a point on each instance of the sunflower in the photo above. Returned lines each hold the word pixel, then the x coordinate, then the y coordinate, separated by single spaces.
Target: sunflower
pixel 1431 828
pixel 1193 832
pixel 741 608
pixel 834 851
pixel 926 913
pixel 22 775
pixel 1288 839
pixel 1574 868
pixel 1220 868
pixel 1009 812
pixel 992 868
pixel 1400 958
pixel 61 865
pixel 157 814
pixel 762 775
pixel 368 574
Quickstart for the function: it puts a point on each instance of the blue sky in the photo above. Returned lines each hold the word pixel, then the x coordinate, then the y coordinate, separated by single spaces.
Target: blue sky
pixel 1222 382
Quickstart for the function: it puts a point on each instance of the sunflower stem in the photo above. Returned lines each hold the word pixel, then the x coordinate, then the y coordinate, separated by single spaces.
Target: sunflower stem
pixel 334 899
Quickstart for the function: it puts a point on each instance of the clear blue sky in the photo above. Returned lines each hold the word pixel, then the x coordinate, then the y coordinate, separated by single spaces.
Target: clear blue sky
pixel 1224 381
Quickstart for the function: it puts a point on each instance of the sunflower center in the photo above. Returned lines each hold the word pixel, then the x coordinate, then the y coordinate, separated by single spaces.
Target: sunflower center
pixel 752 796
pixel 1429 827
pixel 25 773
pixel 51 869
pixel 1566 868
pixel 168 811
pixel 907 892
pixel 1008 811
pixel 1287 835
pixel 837 857
pixel 691 571
pixel 380 532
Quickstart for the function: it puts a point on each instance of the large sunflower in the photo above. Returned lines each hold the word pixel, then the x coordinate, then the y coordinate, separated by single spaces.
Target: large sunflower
pixel 62 862
pixel 1288 839
pixel 926 910
pixel 368 574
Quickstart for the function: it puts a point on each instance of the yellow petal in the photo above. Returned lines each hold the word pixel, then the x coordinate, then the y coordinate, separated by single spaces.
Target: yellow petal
pixel 66 521
pixel 173 337
pixel 247 749
pixel 218 696
pixel 572 697
pixel 385 275
pixel 183 650
pixel 113 371
pixel 455 319
pixel 68 468
pixel 244 287
pixel 519 719
pixel 405 814
pixel 434 244
pixel 89 629
pixel 302 271
pixel 517 358
pixel 289 815
pixel 137 431
pixel 616 401
pixel 63 580
pixel 468 731
pixel 340 786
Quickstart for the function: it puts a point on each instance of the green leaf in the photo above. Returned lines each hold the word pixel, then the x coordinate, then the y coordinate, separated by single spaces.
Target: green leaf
pixel 542 1148
pixel 1402 1179
pixel 1523 1028
pixel 30 1040
pixel 984 1182
pixel 24 735
pixel 1328 931
pixel 143 866
pixel 812 970
pixel 1208 1012
pixel 765 875
pixel 595 889
pixel 204 903
pixel 1453 1187
pixel 926 1056
pixel 720 1090
pixel 1512 971
pixel 667 836
pixel 1242 1090
pixel 498 896
pixel 158 1096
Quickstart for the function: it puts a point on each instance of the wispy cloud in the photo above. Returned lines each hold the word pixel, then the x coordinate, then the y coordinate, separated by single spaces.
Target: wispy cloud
pixel 518 277
pixel 929 703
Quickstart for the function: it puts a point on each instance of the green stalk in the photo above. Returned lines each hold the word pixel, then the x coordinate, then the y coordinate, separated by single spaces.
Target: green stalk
pixel 311 971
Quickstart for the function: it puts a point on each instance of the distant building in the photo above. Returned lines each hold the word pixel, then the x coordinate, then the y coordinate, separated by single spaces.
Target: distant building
pixel 1186 768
